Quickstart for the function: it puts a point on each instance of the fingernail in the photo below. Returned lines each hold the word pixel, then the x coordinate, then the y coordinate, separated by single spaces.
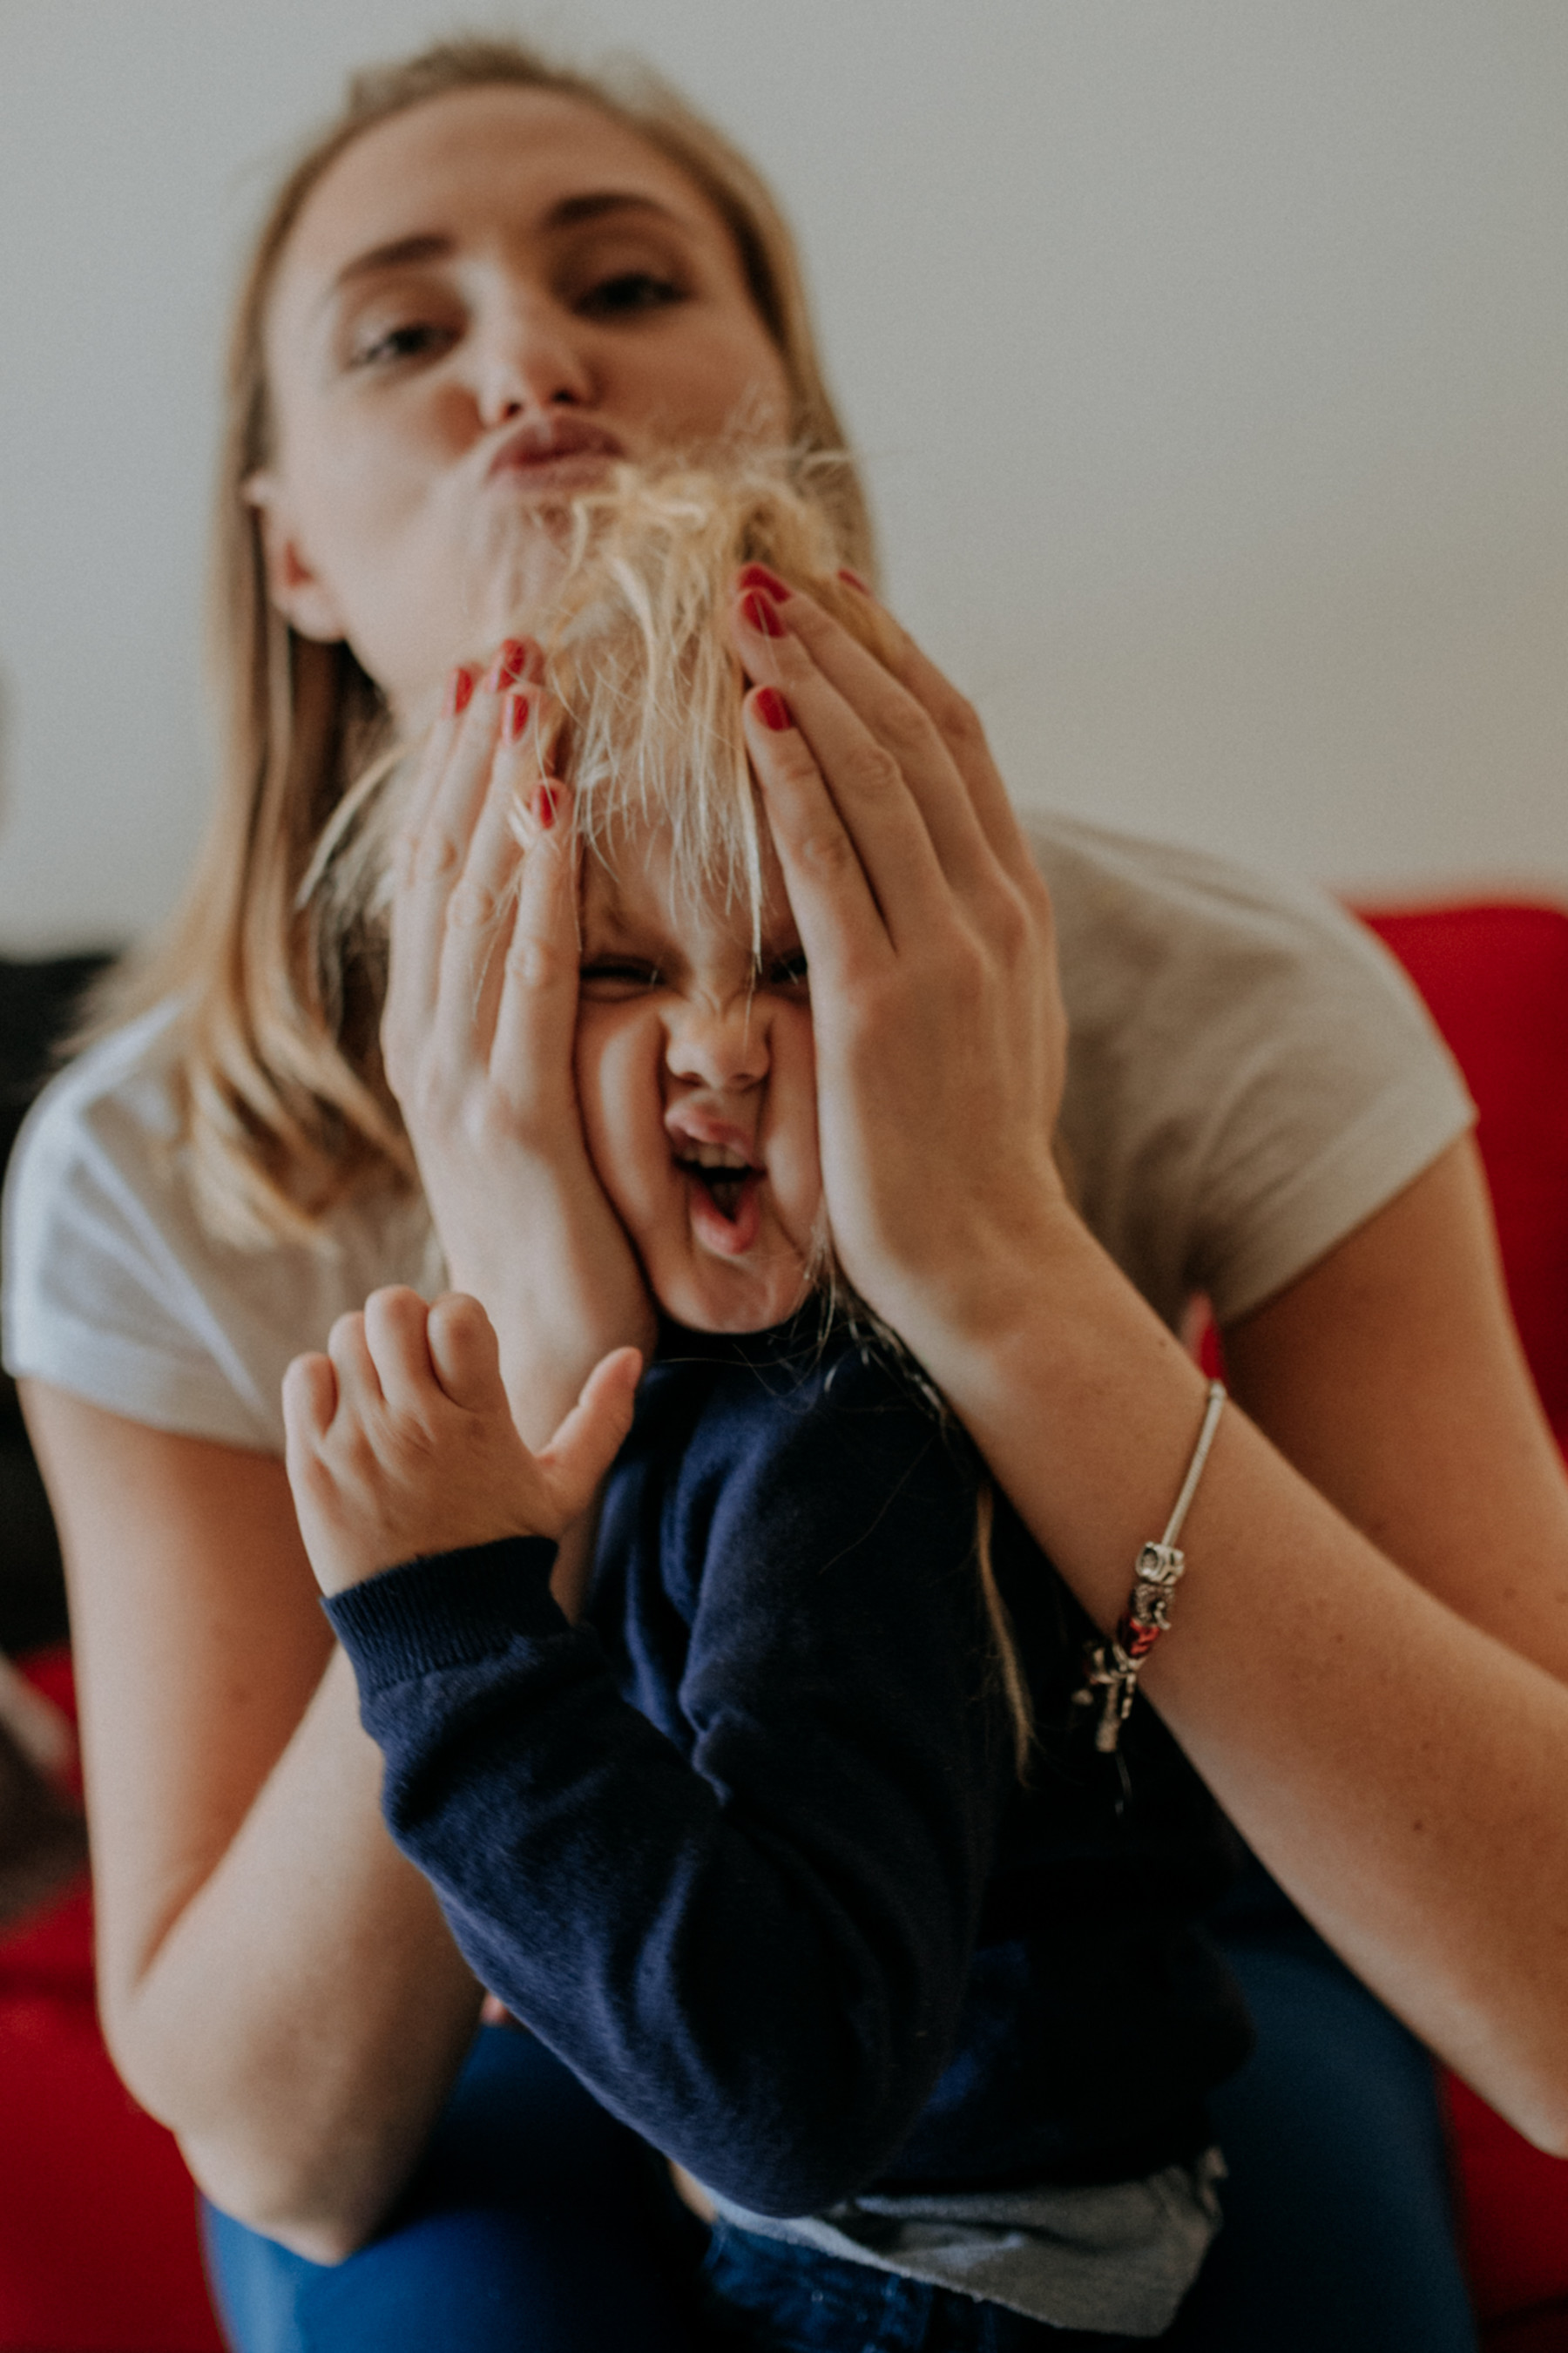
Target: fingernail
pixel 546 803
pixel 459 689
pixel 759 613
pixel 516 717
pixel 771 708
pixel 508 665
pixel 855 580
pixel 757 575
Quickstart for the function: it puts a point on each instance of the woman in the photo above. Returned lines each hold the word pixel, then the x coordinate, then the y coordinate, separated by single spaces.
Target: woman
pixel 483 284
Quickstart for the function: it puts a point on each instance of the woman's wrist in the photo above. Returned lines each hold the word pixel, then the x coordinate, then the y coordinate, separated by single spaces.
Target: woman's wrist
pixel 1081 1401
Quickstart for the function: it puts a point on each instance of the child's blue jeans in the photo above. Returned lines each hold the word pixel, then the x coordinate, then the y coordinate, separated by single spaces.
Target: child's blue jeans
pixel 537 2224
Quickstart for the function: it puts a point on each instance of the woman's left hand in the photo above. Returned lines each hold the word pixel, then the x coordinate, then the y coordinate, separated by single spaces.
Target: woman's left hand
pixel 941 1034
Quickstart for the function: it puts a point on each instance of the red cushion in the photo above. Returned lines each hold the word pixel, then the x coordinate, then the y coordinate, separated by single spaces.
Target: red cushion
pixel 1496 979
pixel 98 2236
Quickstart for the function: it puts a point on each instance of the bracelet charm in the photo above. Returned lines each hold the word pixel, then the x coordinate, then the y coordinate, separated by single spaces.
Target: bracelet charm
pixel 1110 1670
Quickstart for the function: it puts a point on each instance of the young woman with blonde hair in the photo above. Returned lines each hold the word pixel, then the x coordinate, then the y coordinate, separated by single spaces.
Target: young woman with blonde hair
pixel 486 284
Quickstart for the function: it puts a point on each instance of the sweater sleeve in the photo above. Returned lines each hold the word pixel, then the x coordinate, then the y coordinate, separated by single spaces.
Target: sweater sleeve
pixel 756 1956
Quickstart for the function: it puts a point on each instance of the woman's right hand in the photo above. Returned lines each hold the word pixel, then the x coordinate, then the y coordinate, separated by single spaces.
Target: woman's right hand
pixel 477 1037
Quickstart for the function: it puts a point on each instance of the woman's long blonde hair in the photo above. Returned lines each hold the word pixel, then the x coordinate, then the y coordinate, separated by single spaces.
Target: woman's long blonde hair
pixel 284 1106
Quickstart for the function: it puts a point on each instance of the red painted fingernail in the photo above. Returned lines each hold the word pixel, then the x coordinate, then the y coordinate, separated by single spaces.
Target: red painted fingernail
pixel 771 708
pixel 855 580
pixel 757 575
pixel 759 613
pixel 507 666
pixel 459 689
pixel 516 717
pixel 546 803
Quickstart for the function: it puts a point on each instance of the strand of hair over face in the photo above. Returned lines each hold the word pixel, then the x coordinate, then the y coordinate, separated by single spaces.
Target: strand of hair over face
pixel 639 658
pixel 641 692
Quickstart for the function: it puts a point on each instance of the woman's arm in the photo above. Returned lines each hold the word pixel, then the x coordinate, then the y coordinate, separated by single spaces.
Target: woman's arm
pixel 1396 1754
pixel 277 1983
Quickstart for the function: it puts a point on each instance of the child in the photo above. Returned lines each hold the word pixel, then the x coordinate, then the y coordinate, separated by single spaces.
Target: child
pixel 765 1847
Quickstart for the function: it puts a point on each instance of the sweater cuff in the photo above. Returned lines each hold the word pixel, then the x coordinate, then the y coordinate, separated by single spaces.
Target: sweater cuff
pixel 447 1610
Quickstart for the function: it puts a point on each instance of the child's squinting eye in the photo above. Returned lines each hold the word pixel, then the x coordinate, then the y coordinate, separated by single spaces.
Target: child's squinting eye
pixel 606 978
pixel 787 972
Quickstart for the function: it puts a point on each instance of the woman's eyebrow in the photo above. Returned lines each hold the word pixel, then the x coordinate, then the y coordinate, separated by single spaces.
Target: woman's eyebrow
pixel 437 244
pixel 429 245
pixel 572 211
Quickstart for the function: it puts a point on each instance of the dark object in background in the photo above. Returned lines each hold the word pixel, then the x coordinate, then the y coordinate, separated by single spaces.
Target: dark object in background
pixel 42 1839
pixel 38 1001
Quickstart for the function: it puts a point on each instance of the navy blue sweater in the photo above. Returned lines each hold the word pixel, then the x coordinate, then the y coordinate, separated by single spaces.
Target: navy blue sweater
pixel 747 1847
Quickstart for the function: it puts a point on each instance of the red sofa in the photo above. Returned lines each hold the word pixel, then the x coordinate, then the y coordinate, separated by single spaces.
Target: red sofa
pixel 98 2244
pixel 1496 979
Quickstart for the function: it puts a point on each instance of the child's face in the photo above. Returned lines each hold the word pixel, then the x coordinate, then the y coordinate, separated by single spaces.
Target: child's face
pixel 697 1079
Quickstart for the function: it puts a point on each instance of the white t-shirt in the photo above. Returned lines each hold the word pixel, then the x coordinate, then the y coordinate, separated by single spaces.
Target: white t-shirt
pixel 1250 1076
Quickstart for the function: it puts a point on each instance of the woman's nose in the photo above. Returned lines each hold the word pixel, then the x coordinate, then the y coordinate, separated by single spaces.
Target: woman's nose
pixel 721 1046
pixel 526 357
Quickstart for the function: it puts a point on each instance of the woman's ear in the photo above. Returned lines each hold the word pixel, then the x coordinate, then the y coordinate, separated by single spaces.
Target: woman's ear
pixel 295 589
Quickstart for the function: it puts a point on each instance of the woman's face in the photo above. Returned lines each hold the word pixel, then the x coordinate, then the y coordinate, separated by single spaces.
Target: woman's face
pixel 697 1076
pixel 485 302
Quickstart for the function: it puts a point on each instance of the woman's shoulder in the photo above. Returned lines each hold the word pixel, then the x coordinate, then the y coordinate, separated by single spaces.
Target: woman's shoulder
pixel 1127 905
pixel 1251 1075
pixel 116 1290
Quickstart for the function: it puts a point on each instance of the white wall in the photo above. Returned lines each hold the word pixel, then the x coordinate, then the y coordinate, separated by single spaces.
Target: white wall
pixel 1210 358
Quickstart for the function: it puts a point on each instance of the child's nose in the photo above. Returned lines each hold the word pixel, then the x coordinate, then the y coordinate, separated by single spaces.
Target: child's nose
pixel 719 1045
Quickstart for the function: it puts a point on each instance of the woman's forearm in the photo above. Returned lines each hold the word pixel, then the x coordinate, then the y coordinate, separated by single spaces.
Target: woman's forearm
pixel 302 2018
pixel 277 1983
pixel 1399 1769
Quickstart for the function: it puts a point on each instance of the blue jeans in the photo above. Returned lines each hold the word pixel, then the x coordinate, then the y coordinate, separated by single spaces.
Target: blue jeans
pixel 537 2224
pixel 767 2298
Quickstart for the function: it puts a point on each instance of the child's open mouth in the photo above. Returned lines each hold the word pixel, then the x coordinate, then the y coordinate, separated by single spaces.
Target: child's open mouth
pixel 721 1189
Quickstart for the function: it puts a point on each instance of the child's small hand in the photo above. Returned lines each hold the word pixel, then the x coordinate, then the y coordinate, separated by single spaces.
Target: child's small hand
pixel 401 1441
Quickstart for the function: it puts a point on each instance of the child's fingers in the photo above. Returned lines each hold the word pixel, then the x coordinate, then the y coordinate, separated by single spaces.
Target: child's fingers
pixel 594 1432
pixel 394 1332
pixel 466 1353
pixel 359 1384
pixel 310 1401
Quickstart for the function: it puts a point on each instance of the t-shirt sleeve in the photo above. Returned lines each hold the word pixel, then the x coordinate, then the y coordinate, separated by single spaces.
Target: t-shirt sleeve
pixel 115 1288
pixel 103 1272
pixel 1251 1076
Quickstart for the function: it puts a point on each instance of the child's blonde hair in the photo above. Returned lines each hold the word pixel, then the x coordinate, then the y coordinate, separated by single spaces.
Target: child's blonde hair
pixel 641 687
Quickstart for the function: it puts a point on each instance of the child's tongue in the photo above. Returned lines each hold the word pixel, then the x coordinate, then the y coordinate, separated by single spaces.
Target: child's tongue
pixel 734 1233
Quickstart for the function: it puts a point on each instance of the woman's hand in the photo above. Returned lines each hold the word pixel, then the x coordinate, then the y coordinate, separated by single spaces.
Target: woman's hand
pixel 941 1036
pixel 478 1037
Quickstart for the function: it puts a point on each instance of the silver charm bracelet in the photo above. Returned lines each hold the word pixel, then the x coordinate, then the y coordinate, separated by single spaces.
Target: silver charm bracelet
pixel 1110 1670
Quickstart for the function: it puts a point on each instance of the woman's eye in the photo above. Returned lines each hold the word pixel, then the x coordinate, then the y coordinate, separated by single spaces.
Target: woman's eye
pixel 415 339
pixel 629 292
pixel 788 972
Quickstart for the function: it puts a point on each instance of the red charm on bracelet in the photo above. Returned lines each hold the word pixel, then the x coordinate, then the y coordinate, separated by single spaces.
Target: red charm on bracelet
pixel 1110 1670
